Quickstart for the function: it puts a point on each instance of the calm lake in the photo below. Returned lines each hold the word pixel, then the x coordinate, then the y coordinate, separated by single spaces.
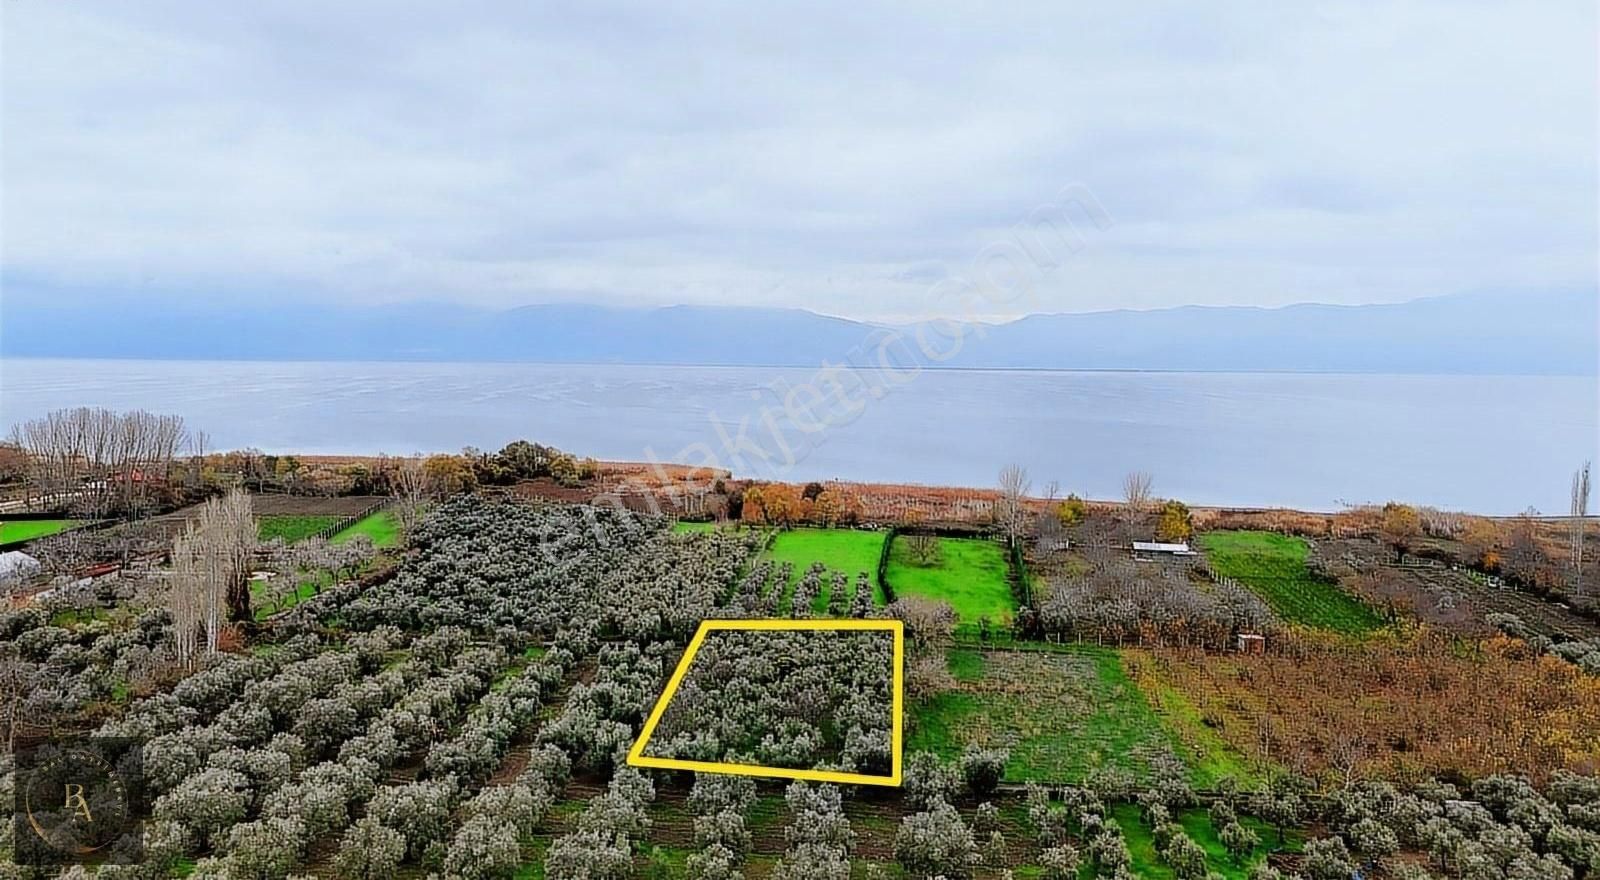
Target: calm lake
pixel 1495 444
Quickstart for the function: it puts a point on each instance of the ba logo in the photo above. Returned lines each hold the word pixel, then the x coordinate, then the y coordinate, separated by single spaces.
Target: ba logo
pixel 77 802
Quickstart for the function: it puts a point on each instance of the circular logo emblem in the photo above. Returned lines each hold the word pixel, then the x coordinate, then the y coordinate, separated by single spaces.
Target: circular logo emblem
pixel 75 802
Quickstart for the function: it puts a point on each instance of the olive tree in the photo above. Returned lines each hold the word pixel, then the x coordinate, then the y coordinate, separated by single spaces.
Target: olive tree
pixel 715 862
pixel 1327 858
pixel 483 849
pixel 1059 862
pixel 370 851
pixel 207 802
pixel 936 843
pixel 982 769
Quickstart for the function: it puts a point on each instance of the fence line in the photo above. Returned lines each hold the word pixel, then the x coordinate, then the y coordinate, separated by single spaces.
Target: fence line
pixel 348 521
pixel 883 564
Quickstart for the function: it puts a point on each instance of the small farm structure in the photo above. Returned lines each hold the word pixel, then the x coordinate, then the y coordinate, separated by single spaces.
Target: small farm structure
pixel 16 566
pixel 1151 550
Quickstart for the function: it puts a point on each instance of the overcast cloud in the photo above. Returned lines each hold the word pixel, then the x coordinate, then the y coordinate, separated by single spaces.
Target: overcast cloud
pixel 835 156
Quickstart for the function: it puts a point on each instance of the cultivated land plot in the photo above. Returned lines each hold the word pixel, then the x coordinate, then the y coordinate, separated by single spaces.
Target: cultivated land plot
pixel 1472 596
pixel 292 528
pixel 311 505
pixel 172 523
pixel 796 699
pixel 846 551
pixel 1062 714
pixel 29 529
pixel 968 573
pixel 1274 566
pixel 1397 709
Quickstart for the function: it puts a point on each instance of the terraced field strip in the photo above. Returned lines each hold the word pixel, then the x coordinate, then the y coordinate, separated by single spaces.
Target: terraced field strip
pixel 1274 567
pixel 1546 617
pixel 314 505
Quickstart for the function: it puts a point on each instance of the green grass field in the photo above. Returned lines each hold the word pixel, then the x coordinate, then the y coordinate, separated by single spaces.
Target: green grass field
pixel 292 528
pixel 28 529
pixel 849 551
pixel 382 527
pixel 1197 824
pixel 1274 566
pixel 691 528
pixel 969 573
pixel 1062 714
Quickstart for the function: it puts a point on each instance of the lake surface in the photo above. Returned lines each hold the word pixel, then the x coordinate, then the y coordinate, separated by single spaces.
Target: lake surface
pixel 1495 444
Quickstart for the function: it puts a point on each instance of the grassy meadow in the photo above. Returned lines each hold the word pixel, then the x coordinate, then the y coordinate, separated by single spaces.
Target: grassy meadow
pixel 1062 714
pixel 382 527
pixel 968 573
pixel 291 528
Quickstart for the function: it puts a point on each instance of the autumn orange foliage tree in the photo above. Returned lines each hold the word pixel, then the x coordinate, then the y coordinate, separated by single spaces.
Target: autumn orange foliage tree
pixel 449 475
pixel 1175 523
pixel 773 504
pixel 1402 526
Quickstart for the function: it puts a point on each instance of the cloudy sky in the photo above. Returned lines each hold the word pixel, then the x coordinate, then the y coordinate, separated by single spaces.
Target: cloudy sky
pixel 843 157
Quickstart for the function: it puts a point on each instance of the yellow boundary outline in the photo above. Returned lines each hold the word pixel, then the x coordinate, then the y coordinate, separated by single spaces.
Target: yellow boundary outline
pixel 637 757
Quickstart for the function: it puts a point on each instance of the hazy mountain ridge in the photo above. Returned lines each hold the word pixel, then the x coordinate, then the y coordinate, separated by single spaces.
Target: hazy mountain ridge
pixel 1545 332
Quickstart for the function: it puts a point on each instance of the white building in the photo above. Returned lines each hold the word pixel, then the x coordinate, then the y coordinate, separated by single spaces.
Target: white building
pixel 1154 547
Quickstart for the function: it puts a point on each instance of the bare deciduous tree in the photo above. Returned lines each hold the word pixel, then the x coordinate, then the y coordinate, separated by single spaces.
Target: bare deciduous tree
pixel 1136 490
pixel 924 547
pixel 1011 511
pixel 98 460
pixel 211 571
pixel 410 490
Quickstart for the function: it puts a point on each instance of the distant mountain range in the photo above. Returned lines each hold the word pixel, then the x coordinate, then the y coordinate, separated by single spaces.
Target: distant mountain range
pixel 1545 332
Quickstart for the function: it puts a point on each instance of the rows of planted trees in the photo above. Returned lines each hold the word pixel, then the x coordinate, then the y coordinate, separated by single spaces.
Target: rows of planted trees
pixel 800 700
pixel 441 718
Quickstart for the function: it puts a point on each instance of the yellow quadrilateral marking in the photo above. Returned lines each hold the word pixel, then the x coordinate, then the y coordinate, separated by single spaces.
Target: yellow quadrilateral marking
pixel 637 757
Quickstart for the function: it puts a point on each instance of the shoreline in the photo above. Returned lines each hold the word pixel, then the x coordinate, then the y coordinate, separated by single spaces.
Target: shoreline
pixel 684 475
pixel 812 366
